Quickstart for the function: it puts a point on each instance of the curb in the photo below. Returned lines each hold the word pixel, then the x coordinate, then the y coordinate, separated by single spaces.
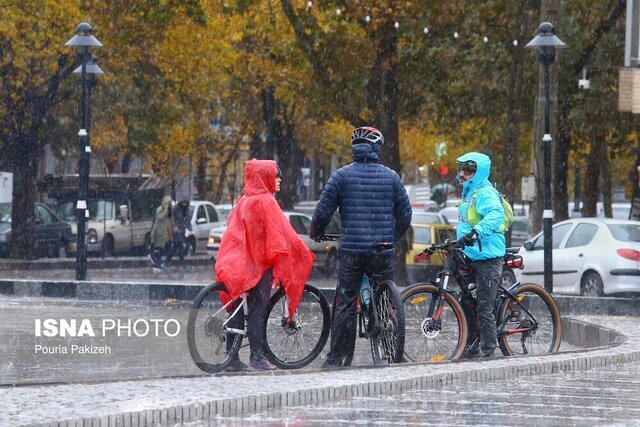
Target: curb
pixel 251 393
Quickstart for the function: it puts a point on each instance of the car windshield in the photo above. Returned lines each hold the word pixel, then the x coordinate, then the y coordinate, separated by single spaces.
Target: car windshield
pixel 422 235
pixel 625 232
pixel 99 210
pixel 5 212
pixel 426 217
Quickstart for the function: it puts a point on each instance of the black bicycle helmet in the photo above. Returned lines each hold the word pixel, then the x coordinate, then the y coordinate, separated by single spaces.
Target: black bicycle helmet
pixel 367 134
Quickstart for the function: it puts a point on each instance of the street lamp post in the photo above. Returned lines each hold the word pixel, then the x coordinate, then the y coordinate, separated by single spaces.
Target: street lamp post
pixel 83 40
pixel 547 43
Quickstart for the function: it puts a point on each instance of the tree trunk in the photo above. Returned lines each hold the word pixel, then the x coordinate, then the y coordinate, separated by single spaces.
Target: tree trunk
pixel 382 93
pixel 606 180
pixel 513 116
pixel 591 177
pixel 24 155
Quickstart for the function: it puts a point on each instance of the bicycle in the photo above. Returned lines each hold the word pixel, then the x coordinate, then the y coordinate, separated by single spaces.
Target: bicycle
pixel 382 319
pixel 215 330
pixel 527 317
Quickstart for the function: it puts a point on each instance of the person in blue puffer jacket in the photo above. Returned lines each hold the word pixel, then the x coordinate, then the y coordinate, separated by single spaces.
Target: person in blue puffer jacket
pixel 481 216
pixel 374 208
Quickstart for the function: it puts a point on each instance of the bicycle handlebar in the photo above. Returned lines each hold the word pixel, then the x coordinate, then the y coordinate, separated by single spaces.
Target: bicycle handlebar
pixel 447 245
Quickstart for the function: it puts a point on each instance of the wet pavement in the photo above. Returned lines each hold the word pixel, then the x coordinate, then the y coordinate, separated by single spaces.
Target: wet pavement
pixel 594 387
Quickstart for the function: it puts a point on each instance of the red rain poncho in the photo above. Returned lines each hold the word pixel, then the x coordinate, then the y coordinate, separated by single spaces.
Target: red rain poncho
pixel 259 237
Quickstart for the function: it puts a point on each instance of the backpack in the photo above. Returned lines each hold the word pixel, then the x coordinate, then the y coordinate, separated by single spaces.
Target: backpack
pixel 474 217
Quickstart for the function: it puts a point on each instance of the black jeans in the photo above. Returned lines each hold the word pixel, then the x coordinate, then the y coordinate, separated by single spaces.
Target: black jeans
pixel 177 247
pixel 480 316
pixel 345 321
pixel 257 303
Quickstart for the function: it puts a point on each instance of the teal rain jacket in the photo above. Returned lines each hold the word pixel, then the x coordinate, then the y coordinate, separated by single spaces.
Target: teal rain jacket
pixel 488 204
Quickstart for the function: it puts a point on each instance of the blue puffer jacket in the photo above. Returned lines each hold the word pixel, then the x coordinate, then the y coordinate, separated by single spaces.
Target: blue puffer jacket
pixel 488 204
pixel 373 204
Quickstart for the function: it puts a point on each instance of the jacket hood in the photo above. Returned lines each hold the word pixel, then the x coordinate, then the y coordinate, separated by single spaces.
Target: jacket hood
pixel 165 200
pixel 481 177
pixel 260 177
pixel 366 152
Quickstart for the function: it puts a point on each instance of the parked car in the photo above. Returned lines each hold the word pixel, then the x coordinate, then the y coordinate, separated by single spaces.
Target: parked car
pixel 591 256
pixel 451 214
pixel 54 237
pixel 117 221
pixel 204 217
pixel 422 268
pixel 428 218
pixel 326 252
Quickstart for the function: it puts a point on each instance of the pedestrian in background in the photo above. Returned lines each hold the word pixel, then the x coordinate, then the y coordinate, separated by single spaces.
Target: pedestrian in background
pixel 182 232
pixel 161 233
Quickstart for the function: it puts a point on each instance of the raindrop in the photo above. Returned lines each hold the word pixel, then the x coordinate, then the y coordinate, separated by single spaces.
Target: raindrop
pixel 515 42
pixel 426 30
pixel 338 11
pixel 367 18
pixel 397 25
pixel 456 35
pixel 485 39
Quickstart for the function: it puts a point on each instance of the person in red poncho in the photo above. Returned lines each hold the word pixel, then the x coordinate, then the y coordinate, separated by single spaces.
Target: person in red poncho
pixel 260 246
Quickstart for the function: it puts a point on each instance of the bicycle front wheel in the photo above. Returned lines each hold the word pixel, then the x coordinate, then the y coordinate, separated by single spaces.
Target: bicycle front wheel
pixel 387 342
pixel 296 343
pixel 430 339
pixel 210 346
pixel 530 323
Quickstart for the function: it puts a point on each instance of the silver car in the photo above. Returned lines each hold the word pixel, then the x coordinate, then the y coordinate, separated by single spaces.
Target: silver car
pixel 326 252
pixel 591 256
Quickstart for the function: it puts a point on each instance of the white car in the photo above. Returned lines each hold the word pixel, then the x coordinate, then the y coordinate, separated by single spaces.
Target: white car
pixel 428 217
pixel 326 252
pixel 591 256
pixel 204 217
pixel 451 214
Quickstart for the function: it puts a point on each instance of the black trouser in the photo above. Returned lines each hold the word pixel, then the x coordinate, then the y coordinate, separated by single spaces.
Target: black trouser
pixel 177 247
pixel 345 321
pixel 480 316
pixel 157 253
pixel 257 303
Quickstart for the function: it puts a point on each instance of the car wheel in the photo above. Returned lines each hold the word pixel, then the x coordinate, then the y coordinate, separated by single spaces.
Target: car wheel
pixel 331 267
pixel 592 285
pixel 508 278
pixel 107 247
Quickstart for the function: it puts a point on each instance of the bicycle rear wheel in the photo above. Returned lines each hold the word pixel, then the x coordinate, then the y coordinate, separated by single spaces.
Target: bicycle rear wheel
pixel 295 344
pixel 387 343
pixel 530 324
pixel 209 345
pixel 430 340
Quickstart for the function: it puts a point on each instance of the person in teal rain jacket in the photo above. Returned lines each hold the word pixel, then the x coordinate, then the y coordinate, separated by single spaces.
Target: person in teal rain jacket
pixel 481 217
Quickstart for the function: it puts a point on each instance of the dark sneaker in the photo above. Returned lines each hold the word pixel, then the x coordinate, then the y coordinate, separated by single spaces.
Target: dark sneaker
pixel 331 364
pixel 154 262
pixel 261 364
pixel 486 355
pixel 237 366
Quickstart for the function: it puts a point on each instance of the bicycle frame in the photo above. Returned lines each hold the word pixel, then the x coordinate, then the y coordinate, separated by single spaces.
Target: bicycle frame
pixel 242 306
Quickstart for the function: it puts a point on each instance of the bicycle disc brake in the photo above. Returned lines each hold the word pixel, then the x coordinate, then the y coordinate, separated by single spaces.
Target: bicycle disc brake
pixel 430 328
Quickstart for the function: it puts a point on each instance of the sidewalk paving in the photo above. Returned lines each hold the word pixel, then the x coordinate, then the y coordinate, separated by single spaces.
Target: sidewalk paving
pixel 171 401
